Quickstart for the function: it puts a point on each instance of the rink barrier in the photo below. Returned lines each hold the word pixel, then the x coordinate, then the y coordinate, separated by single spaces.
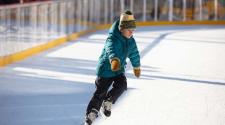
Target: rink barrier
pixel 166 23
pixel 29 52
pixel 5 60
pixel 181 23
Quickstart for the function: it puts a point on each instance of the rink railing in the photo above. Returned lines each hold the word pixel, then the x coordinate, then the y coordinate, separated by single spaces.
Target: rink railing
pixel 26 29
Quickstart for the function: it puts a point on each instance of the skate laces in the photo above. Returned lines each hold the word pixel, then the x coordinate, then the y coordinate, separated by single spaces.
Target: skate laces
pixel 107 105
pixel 93 115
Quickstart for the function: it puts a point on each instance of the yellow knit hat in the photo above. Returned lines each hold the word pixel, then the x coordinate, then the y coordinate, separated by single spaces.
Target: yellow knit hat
pixel 127 20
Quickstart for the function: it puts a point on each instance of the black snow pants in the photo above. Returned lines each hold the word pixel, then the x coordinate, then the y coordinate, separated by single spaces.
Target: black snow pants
pixel 102 92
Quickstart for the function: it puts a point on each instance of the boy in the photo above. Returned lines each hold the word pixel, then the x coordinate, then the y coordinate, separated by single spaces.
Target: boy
pixel 119 45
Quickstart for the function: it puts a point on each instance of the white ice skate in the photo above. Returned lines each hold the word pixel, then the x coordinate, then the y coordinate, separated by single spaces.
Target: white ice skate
pixel 91 117
pixel 106 108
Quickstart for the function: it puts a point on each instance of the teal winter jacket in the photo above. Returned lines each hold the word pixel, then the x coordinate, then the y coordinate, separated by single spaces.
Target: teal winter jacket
pixel 119 47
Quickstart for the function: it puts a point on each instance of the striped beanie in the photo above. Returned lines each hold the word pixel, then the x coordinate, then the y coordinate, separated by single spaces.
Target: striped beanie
pixel 127 20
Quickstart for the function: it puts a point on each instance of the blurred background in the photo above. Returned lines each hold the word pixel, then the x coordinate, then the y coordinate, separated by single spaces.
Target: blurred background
pixel 28 23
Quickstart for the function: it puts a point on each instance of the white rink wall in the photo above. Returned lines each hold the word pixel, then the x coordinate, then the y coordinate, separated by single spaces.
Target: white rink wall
pixel 24 26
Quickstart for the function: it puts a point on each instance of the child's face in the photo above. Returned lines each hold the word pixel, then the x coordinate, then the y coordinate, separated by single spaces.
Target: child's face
pixel 127 32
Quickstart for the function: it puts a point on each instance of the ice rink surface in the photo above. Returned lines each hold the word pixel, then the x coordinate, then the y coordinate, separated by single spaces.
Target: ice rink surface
pixel 182 81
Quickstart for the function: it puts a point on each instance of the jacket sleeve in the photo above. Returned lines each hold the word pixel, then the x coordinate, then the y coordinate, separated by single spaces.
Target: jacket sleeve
pixel 110 50
pixel 133 54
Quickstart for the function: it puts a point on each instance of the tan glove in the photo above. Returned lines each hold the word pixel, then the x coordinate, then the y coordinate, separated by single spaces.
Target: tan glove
pixel 137 72
pixel 115 65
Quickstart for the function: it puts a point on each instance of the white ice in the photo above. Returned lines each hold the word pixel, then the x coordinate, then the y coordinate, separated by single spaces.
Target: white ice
pixel 182 81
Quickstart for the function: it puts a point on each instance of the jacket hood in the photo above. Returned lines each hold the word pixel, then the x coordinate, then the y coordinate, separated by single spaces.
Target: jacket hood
pixel 114 30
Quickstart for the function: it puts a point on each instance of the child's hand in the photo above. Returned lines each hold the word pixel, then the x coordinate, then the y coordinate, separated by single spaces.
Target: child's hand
pixel 137 72
pixel 115 65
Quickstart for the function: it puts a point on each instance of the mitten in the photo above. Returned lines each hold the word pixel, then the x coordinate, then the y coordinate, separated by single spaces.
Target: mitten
pixel 137 72
pixel 115 65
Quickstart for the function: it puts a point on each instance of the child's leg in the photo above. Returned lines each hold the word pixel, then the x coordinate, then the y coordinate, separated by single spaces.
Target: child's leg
pixel 102 86
pixel 119 86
